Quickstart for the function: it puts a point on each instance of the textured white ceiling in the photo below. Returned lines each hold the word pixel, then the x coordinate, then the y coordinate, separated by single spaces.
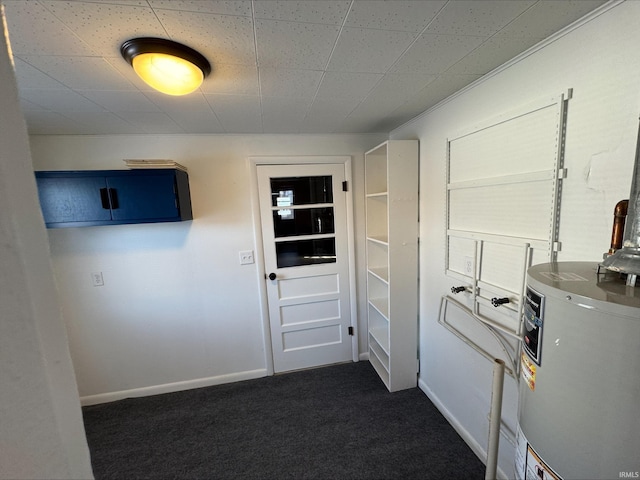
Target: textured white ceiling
pixel 278 66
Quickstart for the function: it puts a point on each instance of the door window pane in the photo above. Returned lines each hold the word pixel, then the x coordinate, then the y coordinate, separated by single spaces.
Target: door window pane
pixel 305 252
pixel 301 190
pixel 303 221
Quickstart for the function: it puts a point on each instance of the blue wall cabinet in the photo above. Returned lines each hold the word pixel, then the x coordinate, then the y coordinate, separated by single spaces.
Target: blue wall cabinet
pixel 112 197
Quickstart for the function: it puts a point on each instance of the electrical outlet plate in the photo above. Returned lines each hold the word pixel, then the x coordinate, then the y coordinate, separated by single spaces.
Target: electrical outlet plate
pixel 98 280
pixel 246 257
pixel 468 265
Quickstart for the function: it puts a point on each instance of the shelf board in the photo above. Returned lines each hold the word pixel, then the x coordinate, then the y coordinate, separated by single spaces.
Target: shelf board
pixel 382 273
pixel 382 357
pixel 379 239
pixel 381 305
pixel 381 337
pixel 380 150
pixel 377 195
pixel 382 372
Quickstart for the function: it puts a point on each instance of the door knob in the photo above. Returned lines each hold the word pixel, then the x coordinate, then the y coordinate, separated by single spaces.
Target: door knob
pixel 272 276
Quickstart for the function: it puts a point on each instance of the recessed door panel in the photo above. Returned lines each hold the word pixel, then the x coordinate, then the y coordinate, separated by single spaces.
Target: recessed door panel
pixel 311 338
pixel 309 312
pixel 307 286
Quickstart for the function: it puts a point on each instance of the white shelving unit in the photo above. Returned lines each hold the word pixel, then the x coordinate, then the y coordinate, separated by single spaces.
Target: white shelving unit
pixel 391 182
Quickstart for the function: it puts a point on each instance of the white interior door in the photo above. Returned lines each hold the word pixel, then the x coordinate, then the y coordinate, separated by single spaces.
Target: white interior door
pixel 306 255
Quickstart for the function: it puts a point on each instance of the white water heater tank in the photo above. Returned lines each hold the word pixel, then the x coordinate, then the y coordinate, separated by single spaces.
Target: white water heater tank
pixel 579 392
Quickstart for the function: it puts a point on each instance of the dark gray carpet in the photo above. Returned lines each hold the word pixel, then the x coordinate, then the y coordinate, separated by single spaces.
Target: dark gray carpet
pixel 337 422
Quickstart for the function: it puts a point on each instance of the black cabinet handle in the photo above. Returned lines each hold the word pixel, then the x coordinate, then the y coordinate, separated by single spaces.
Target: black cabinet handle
pixel 104 198
pixel 272 276
pixel 457 289
pixel 113 198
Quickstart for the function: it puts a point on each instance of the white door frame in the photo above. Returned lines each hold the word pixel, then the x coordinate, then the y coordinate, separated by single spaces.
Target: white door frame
pixel 254 162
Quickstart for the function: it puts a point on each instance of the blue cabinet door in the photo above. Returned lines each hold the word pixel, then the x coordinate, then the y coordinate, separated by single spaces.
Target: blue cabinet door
pixel 112 197
pixel 74 199
pixel 143 198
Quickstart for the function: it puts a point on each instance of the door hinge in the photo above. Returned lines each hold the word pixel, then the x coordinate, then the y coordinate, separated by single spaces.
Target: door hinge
pixel 344 186
pixel 351 331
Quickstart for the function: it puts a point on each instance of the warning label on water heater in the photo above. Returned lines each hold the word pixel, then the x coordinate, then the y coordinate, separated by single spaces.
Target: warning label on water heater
pixel 529 465
pixel 528 371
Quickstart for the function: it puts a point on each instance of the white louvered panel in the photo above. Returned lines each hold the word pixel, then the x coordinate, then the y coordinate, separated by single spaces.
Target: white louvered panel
pixel 524 144
pixel 519 210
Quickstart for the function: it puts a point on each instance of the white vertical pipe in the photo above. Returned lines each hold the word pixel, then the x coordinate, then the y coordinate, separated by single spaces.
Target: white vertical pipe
pixel 495 415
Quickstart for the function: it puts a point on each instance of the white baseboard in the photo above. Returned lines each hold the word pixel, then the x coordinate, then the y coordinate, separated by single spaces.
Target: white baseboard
pixel 171 387
pixel 364 356
pixel 478 449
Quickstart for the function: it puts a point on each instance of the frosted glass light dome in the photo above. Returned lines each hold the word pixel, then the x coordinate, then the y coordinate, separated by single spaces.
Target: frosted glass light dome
pixel 168 74
pixel 166 66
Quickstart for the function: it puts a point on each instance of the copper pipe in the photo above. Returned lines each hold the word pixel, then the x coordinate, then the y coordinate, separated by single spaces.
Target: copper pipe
pixel 619 218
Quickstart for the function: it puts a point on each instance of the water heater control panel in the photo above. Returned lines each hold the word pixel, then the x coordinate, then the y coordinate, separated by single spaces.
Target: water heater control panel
pixel 533 324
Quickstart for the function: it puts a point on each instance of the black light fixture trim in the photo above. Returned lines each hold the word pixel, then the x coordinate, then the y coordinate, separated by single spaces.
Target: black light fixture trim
pixel 137 46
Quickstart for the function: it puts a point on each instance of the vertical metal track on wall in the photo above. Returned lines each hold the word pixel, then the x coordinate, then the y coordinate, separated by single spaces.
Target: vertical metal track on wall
pixel 561 174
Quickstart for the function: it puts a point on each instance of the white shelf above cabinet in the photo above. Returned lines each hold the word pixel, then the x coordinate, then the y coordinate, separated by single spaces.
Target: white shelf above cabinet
pixel 391 184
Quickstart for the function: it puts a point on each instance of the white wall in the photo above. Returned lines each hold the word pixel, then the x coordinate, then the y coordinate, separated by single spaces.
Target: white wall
pixel 176 305
pixel 41 429
pixel 599 61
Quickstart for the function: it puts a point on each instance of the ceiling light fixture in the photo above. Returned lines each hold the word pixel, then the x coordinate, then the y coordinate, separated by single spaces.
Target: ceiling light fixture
pixel 167 66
